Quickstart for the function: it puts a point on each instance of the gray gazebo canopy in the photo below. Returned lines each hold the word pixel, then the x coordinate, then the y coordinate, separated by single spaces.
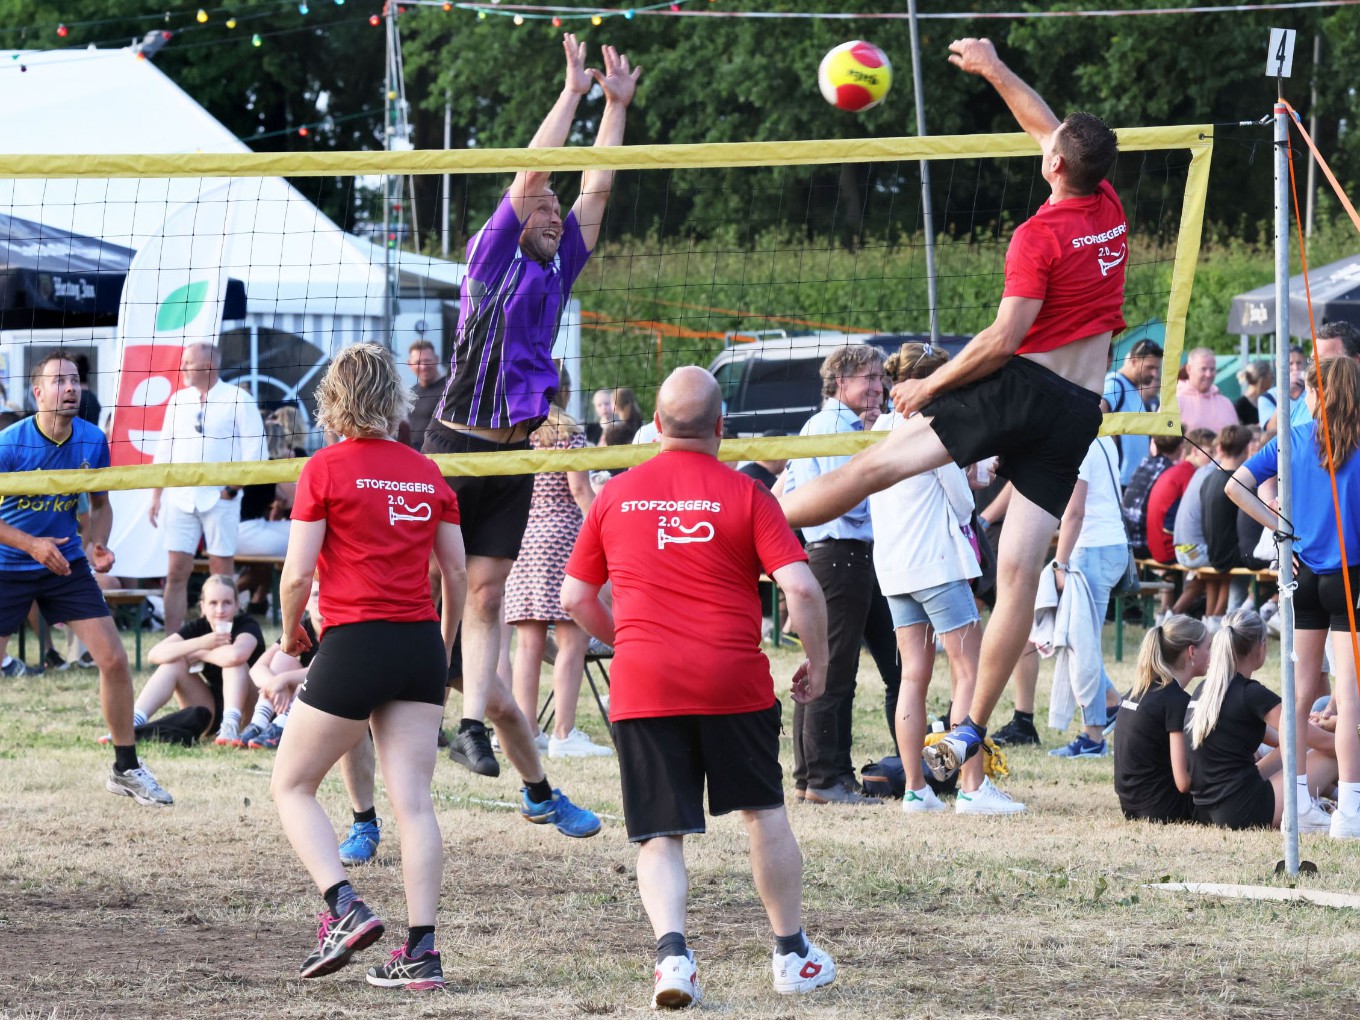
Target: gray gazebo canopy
pixel 1336 296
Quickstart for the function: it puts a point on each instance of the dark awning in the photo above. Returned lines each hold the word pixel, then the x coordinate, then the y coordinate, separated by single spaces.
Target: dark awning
pixel 52 279
pixel 1336 297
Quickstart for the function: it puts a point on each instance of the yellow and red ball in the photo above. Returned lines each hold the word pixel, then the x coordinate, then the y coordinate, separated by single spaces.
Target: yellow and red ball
pixel 855 76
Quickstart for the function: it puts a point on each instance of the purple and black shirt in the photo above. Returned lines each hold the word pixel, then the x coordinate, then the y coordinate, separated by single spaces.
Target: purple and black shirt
pixel 502 372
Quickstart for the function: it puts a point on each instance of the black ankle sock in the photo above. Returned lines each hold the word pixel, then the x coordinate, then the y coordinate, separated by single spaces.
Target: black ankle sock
pixel 670 944
pixel 371 815
pixel 338 898
pixel 414 937
pixel 795 943
pixel 539 792
pixel 125 758
pixel 981 730
pixel 470 724
pixel 1024 717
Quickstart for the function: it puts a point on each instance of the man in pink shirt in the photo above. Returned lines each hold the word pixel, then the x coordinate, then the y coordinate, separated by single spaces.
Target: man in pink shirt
pixel 1202 406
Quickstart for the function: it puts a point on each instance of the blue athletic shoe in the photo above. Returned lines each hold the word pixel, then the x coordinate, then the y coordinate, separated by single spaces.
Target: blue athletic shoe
pixel 361 843
pixel 947 755
pixel 268 740
pixel 1082 747
pixel 570 820
pixel 251 732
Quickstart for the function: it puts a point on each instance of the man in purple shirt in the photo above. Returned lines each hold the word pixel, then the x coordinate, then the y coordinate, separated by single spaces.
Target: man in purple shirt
pixel 520 269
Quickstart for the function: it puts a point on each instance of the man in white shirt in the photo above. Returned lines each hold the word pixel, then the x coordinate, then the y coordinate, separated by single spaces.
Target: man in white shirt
pixel 206 422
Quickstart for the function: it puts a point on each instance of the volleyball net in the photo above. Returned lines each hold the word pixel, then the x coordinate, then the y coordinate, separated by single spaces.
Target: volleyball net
pixel 753 260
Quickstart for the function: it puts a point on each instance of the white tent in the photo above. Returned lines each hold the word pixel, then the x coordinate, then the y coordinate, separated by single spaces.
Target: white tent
pixel 303 274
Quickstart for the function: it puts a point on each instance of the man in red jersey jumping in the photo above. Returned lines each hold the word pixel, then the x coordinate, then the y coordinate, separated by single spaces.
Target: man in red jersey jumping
pixel 1027 388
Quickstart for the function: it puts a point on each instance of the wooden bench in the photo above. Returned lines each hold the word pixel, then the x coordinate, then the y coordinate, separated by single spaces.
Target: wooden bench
pixel 275 565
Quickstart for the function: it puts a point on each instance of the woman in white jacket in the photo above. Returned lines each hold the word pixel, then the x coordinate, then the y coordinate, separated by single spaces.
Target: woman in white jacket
pixel 924 562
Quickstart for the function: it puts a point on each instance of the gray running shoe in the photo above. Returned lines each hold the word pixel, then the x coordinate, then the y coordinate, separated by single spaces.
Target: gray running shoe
pixel 339 938
pixel 140 785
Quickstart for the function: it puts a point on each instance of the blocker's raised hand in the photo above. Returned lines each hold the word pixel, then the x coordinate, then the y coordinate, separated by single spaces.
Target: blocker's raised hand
pixel 579 78
pixel 619 79
pixel 974 56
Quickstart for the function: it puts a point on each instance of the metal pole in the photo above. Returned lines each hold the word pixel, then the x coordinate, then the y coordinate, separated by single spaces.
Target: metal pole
pixel 928 215
pixel 1289 820
pixel 1312 130
pixel 448 144
pixel 389 128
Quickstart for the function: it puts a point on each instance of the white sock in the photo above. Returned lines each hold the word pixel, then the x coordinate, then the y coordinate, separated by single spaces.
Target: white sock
pixel 138 719
pixel 264 713
pixel 281 720
pixel 1301 782
pixel 232 717
pixel 1348 798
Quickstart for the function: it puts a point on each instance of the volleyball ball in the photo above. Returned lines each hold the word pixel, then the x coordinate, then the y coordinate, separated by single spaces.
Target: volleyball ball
pixel 855 76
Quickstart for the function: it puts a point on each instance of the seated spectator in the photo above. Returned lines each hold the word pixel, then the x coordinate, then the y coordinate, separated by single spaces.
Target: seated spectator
pixel 1163 502
pixel 1151 760
pixel 1227 721
pixel 1202 405
pixel 264 521
pixel 295 431
pixel 206 663
pixel 1256 378
pixel 1166 450
pixel 1218 514
pixel 277 676
pixel 1270 400
pixel 602 403
pixel 626 413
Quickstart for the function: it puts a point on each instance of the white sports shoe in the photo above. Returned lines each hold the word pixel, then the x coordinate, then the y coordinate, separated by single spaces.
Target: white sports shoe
pixel 987 800
pixel 1344 826
pixel 228 734
pixel 794 973
pixel 1313 818
pixel 677 983
pixel 920 801
pixel 576 745
pixel 140 785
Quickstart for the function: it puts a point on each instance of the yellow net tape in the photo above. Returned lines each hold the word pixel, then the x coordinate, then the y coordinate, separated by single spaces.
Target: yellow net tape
pixel 1196 138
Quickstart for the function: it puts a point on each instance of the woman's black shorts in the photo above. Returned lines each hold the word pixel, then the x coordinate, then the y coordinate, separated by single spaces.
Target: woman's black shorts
pixel 1253 807
pixel 1320 600
pixel 665 760
pixel 362 666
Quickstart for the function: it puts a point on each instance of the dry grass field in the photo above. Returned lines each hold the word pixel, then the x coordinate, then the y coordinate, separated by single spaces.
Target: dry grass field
pixel 108 909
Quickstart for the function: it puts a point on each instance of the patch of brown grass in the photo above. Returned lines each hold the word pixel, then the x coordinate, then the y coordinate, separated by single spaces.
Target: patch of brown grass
pixel 107 909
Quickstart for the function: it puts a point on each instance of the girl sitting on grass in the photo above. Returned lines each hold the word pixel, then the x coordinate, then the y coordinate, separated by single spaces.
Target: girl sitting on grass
pixel 1151 760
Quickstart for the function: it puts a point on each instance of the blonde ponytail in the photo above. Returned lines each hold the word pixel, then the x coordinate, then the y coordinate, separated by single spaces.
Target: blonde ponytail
pixel 1162 647
pixel 1242 631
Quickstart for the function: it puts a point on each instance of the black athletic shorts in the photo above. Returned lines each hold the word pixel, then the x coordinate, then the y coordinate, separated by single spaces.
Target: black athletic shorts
pixel 60 597
pixel 1037 422
pixel 362 666
pixel 494 510
pixel 665 760
pixel 1251 808
pixel 1320 600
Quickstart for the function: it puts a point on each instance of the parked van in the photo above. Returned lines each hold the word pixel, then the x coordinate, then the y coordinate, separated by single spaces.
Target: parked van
pixel 771 381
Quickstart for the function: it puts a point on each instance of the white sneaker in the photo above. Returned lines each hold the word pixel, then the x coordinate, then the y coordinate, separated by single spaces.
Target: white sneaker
pixel 576 745
pixel 922 800
pixel 1313 818
pixel 1344 826
pixel 677 983
pixel 228 734
pixel 987 800
pixel 540 741
pixel 140 785
pixel 794 974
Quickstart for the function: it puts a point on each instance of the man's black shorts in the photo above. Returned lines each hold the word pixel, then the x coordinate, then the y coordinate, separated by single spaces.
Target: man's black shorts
pixel 60 597
pixel 665 760
pixel 1320 600
pixel 1037 422
pixel 493 510
pixel 362 666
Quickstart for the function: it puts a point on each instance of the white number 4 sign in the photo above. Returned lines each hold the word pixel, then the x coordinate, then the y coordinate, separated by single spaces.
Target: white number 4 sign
pixel 1280 55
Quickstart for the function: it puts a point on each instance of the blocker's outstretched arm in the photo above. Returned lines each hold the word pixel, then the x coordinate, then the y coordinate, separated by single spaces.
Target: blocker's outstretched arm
pixel 978 56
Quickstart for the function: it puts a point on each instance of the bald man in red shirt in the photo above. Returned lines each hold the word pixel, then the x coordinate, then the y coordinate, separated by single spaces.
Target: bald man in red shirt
pixel 1027 388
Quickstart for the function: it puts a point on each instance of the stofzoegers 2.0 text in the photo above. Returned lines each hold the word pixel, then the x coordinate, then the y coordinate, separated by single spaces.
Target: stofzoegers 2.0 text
pixel 1109 235
pixel 390 486
pixel 671 506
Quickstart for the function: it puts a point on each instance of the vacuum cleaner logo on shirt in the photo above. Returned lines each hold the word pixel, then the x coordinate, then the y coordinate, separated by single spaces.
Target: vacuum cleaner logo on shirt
pixel 679 533
pixel 1107 255
pixel 399 510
